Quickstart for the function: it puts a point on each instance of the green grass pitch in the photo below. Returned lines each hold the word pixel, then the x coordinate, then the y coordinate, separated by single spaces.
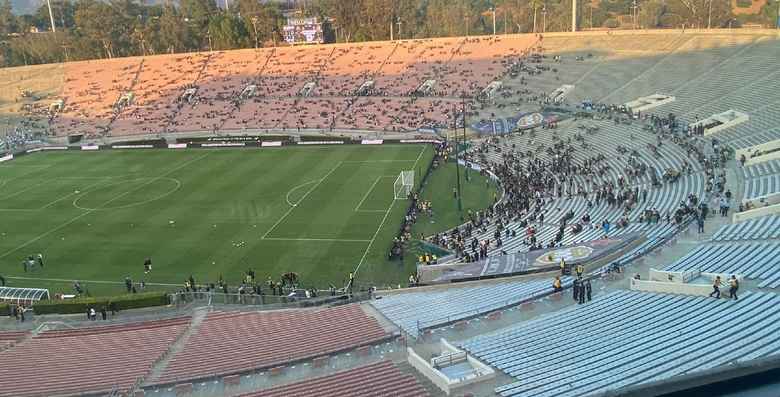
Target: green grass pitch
pixel 319 211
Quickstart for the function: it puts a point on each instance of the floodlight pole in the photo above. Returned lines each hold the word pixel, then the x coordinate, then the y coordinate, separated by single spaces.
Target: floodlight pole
pixel 51 17
pixel 574 15
pixel 457 154
pixel 777 22
pixel 494 20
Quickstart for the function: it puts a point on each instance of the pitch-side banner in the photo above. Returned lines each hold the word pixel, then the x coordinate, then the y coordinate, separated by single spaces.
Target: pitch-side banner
pixel 524 262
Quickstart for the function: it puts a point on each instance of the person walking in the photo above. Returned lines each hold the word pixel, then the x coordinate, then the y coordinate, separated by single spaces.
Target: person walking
pixel 700 223
pixel 733 287
pixel 716 288
pixel 588 290
pixel 557 287
pixel 563 266
pixel 576 290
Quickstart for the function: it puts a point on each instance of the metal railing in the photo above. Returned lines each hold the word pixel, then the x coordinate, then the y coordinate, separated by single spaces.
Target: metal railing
pixel 262 302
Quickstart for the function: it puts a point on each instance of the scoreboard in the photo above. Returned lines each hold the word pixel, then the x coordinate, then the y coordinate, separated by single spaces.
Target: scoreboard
pixel 303 31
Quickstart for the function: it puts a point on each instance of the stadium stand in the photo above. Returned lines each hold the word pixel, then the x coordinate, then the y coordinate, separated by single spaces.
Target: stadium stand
pixel 656 337
pixel 441 306
pixel 10 338
pixel 88 360
pixel 236 342
pixel 767 227
pixel 379 379
pixel 755 260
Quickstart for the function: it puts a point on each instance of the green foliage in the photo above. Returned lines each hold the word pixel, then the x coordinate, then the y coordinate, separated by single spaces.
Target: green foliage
pixel 744 3
pixel 81 305
pixel 611 23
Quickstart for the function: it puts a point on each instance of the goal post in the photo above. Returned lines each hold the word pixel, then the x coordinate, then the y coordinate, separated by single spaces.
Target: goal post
pixel 403 185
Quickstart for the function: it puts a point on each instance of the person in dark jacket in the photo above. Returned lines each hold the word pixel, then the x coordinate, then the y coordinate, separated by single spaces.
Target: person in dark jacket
pixel 588 290
pixel 575 290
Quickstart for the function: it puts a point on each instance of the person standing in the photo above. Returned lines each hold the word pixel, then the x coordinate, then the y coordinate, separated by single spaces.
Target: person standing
pixel 588 290
pixel 103 313
pixel 147 265
pixel 575 290
pixel 563 266
pixel 733 287
pixel 716 288
pixel 700 223
pixel 580 270
pixel 40 260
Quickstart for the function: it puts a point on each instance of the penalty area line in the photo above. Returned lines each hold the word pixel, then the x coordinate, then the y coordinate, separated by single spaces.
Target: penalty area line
pixel 313 188
pixel 381 224
pixel 336 240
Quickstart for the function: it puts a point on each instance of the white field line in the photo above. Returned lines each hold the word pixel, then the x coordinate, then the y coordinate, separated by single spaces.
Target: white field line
pixel 45 182
pixel 376 161
pixel 365 196
pixel 72 194
pixel 301 200
pixel 287 197
pixel 384 219
pixel 83 214
pixel 337 240
pixel 18 192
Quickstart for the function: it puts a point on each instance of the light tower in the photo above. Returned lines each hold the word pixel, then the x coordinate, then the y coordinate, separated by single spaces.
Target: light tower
pixel 573 15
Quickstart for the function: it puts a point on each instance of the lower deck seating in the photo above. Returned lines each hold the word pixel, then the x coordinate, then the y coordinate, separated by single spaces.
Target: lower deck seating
pixel 754 260
pixel 8 339
pixel 90 360
pixel 380 379
pixel 438 307
pixel 754 229
pixel 767 185
pixel 628 338
pixel 228 343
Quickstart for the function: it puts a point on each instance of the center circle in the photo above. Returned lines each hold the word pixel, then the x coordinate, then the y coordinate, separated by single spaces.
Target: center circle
pixel 127 193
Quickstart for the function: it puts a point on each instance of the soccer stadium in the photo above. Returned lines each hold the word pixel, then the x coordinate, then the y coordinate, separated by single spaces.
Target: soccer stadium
pixel 588 213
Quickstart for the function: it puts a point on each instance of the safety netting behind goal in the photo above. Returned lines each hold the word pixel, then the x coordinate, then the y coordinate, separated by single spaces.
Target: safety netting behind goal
pixel 403 185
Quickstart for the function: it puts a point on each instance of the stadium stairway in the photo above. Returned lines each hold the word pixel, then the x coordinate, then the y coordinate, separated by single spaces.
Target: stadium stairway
pixel 157 370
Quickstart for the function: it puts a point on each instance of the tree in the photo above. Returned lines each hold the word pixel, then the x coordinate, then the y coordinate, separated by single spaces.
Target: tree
pixel 107 25
pixel 227 32
pixel 263 22
pixel 197 14
pixel 8 23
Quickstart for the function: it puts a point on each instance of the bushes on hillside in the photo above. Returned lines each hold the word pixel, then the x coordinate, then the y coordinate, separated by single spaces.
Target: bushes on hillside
pixel 121 302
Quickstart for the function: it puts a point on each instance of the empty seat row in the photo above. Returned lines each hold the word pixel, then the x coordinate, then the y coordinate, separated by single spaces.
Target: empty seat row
pixel 430 308
pixel 628 338
pixel 378 379
pixel 754 260
pixel 233 343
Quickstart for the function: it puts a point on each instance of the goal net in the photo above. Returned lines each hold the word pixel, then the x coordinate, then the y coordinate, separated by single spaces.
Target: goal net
pixel 403 184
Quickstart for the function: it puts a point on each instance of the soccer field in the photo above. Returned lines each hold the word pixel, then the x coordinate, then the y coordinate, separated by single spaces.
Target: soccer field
pixel 95 216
